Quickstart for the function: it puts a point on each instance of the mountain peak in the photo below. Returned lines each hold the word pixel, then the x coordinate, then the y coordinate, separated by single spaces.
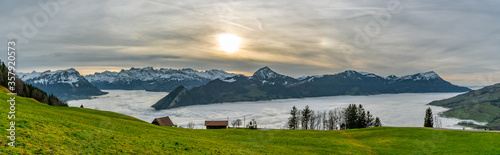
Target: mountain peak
pixel 350 73
pixel 148 68
pixel 430 75
pixel 265 73
pixel 71 70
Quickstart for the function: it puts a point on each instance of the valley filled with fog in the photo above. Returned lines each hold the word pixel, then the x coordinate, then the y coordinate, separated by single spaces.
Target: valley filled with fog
pixel 399 110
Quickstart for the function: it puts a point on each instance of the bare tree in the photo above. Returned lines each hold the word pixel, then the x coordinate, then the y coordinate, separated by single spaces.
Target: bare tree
pixel 324 119
pixel 312 120
pixel 437 122
pixel 318 120
pixel 331 120
pixel 334 119
pixel 340 118
pixel 233 123
pixel 190 125
pixel 238 122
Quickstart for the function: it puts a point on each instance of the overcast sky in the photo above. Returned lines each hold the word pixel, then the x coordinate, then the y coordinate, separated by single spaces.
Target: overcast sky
pixel 459 39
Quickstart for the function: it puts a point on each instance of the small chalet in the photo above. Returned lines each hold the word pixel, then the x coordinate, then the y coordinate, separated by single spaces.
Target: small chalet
pixel 164 121
pixel 216 124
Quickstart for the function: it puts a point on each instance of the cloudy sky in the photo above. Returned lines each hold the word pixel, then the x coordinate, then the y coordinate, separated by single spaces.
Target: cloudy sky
pixel 459 39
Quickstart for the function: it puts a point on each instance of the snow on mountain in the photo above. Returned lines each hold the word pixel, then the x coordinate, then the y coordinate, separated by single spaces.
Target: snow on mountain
pixel 367 74
pixel 309 78
pixel 268 76
pixel 230 80
pixel 65 84
pixel 266 73
pixel 104 76
pixel 69 76
pixel 355 75
pixel 431 75
pixel 151 74
pixel 392 77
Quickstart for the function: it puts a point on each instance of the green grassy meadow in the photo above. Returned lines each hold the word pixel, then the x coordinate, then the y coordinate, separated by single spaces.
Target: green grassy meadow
pixel 43 129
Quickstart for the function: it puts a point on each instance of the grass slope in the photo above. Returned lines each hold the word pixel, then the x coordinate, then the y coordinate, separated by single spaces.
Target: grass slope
pixel 43 129
pixel 481 105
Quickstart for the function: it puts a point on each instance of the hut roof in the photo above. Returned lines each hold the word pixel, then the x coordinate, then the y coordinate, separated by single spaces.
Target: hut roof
pixel 216 123
pixel 163 121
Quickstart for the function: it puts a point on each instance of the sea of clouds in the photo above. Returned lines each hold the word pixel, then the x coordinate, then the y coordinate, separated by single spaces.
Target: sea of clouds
pixel 400 110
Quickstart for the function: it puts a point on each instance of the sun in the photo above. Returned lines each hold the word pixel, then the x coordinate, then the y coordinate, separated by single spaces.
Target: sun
pixel 229 43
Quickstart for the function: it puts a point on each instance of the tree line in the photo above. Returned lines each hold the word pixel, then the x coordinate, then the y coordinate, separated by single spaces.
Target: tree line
pixel 351 117
pixel 26 90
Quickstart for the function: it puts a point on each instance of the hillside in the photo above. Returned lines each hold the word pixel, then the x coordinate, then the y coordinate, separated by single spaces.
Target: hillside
pixel 43 129
pixel 481 105
pixel 266 84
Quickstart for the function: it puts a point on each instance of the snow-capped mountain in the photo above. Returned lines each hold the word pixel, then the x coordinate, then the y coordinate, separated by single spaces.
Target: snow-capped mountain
pixel 266 84
pixel 268 76
pixel 431 75
pixel 69 76
pixel 267 73
pixel 148 78
pixel 354 75
pixel 65 84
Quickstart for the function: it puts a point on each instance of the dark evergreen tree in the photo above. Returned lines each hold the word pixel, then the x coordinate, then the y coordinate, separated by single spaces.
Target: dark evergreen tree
pixel 377 123
pixel 351 117
pixel 293 120
pixel 428 122
pixel 306 117
pixel 361 120
pixel 370 121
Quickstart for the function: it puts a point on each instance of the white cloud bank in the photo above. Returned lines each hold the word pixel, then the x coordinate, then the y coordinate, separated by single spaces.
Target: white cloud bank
pixel 401 110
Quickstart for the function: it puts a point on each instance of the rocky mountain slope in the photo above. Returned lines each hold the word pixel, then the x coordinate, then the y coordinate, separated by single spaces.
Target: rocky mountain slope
pixel 65 84
pixel 266 84
pixel 151 79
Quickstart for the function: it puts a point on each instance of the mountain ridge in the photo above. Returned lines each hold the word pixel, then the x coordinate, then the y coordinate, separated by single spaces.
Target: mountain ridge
pixel 66 84
pixel 265 84
pixel 150 79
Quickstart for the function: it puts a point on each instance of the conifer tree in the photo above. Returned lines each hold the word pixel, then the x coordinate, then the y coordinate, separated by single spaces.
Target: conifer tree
pixel 306 117
pixel 428 122
pixel 293 120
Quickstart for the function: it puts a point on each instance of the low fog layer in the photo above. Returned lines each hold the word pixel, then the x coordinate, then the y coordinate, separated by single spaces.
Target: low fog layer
pixel 400 110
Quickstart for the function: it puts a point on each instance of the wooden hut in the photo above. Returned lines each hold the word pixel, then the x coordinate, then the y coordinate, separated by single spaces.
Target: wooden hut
pixel 164 121
pixel 216 124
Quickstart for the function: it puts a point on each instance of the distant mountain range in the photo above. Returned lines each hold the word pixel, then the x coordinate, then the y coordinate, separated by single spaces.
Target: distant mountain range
pixel 155 79
pixel 26 90
pixel 65 84
pixel 481 105
pixel 265 84
pixel 70 85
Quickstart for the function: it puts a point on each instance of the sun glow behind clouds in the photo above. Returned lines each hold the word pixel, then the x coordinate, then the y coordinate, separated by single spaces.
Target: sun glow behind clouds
pixel 229 43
